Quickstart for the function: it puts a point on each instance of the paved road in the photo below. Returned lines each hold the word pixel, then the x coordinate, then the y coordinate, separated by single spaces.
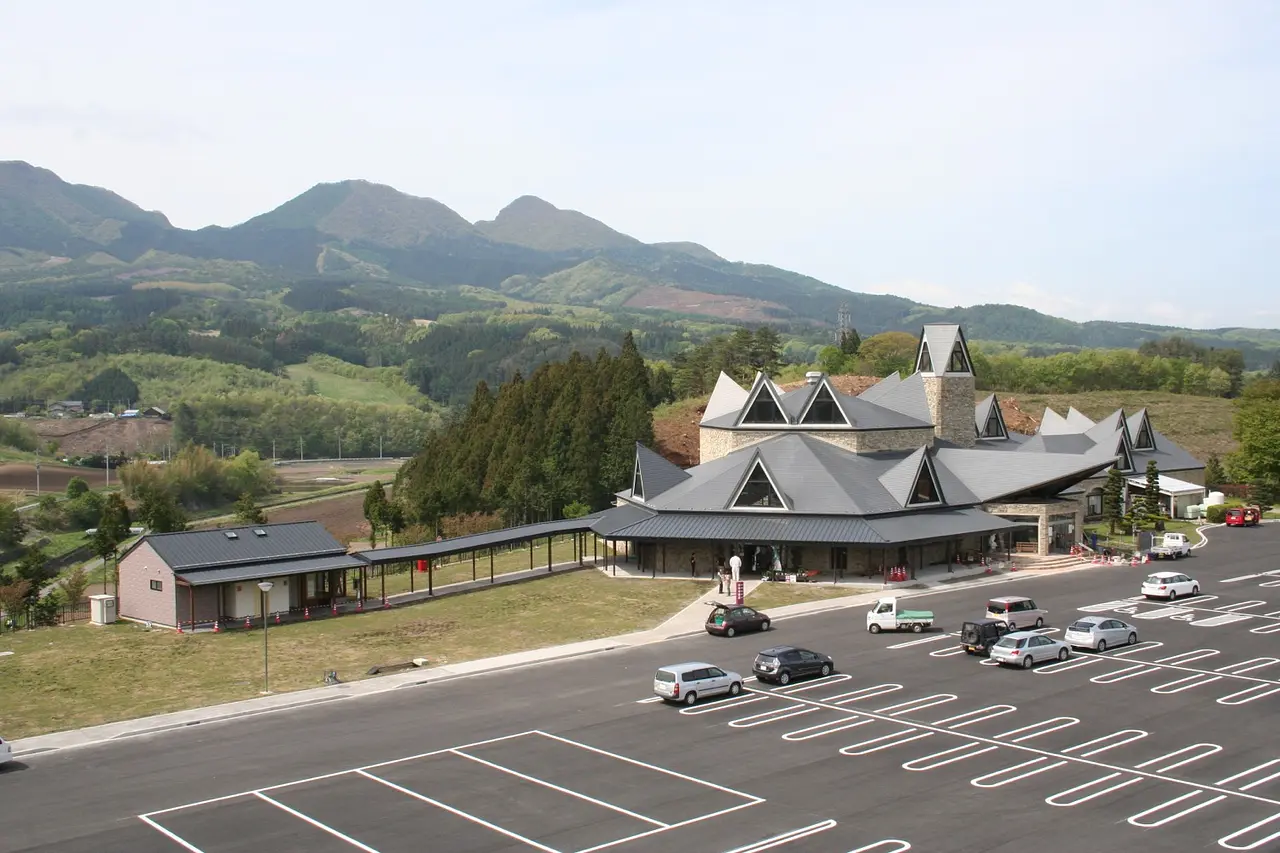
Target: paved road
pixel 1165 746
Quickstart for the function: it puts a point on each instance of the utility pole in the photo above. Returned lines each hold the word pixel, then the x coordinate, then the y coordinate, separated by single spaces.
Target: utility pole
pixel 299 448
pixel 379 445
pixel 37 470
pixel 108 466
pixel 338 432
pixel 273 449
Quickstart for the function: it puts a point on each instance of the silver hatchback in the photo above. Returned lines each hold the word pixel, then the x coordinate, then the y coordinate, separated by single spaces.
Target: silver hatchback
pixel 688 682
pixel 1024 648
pixel 1099 633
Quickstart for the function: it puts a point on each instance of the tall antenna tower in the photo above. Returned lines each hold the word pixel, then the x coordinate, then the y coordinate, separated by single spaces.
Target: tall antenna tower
pixel 844 324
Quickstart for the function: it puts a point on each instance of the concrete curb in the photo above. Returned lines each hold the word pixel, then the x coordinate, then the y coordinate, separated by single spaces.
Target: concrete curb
pixel 158 724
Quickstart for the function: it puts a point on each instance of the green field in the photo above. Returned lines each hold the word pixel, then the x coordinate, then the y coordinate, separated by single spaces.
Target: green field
pixel 344 388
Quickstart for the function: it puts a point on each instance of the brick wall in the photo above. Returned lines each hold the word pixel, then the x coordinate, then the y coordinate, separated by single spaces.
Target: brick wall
pixel 1042 511
pixel 137 600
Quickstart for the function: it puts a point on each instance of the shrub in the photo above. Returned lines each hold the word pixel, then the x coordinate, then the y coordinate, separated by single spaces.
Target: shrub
pixel 76 487
pixel 1218 514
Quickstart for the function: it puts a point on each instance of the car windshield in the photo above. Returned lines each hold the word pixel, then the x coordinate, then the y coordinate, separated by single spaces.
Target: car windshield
pixel 1081 626
pixel 663 675
pixel 1011 642
pixel 1155 580
pixel 996 607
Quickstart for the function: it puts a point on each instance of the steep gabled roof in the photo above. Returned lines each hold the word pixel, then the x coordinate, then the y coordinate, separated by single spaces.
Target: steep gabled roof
pixel 655 472
pixel 913 482
pixel 1167 455
pixel 727 398
pixel 1140 432
pixel 758 489
pixel 873 393
pixel 762 389
pixel 1108 426
pixel 987 413
pixel 908 398
pixel 822 390
pixel 943 349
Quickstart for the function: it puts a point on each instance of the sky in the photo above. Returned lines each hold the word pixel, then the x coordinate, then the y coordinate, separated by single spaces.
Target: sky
pixel 1104 159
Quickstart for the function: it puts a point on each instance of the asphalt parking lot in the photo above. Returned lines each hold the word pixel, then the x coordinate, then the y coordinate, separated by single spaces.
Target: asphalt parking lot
pixel 1165 745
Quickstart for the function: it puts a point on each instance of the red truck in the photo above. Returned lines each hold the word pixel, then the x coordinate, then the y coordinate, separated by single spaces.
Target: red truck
pixel 1243 516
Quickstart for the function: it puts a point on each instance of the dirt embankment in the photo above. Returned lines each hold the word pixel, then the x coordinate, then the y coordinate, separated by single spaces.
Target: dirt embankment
pixel 85 437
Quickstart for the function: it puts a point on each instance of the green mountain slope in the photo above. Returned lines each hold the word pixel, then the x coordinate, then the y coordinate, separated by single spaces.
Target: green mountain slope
pixel 529 221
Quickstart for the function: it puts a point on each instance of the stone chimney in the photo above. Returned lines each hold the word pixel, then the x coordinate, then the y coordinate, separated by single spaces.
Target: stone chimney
pixel 943 362
pixel 813 377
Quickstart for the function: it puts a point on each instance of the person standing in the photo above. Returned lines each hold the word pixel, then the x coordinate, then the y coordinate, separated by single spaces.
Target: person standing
pixel 693 564
pixel 722 574
pixel 735 568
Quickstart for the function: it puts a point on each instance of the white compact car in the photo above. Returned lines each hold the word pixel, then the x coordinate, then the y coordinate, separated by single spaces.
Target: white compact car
pixel 1025 648
pixel 6 751
pixel 1099 633
pixel 1169 585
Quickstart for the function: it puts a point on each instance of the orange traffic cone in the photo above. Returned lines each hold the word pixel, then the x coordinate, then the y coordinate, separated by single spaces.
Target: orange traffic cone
pixel 217 628
pixel 277 617
pixel 179 627
pixel 306 613
pixel 246 623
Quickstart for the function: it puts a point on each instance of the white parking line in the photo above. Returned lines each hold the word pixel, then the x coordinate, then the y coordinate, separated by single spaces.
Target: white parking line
pixel 1124 674
pixel 347 838
pixel 1055 799
pixel 828 728
pixel 946 653
pixel 177 839
pixel 1247 666
pixel 1250 694
pixel 917 704
pixel 1241 605
pixel 1002 779
pixel 1039 729
pixel 1266 629
pixel 1189 657
pixel 936 639
pixel 988 713
pixel 1126 736
pixel 888 741
pixel 771 716
pixel 1219 621
pixel 1252 770
pixel 1136 820
pixel 649 700
pixel 879 847
pixel 1223 841
pixel 824 681
pixel 1270 584
pixel 725 705
pixel 1162 612
pixel 1145 645
pixel 1213 749
pixel 1073 663
pixel 1241 578
pixel 947 756
pixel 1186 683
pixel 864 693
pixel 785 838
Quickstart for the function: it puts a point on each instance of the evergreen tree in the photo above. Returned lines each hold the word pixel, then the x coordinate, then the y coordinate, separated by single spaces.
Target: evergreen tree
pixel 248 512
pixel 375 510
pixel 112 385
pixel 850 342
pixel 1214 475
pixel 115 518
pixel 765 353
pixel 160 510
pixel 1113 499
pixel 1150 512
pixel 12 527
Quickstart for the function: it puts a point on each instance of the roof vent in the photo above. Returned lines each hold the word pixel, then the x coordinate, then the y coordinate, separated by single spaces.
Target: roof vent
pixel 231 534
pixel 259 532
pixel 813 377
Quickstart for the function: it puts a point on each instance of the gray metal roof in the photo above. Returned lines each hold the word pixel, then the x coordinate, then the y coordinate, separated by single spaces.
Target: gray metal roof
pixel 1167 455
pixel 944 524
pixel 941 340
pixel 657 473
pixel 984 411
pixel 477 541
pixel 900 480
pixel 860 412
pixel 195 549
pixel 873 394
pixel 991 475
pixel 908 398
pixel 618 517
pixel 1058 443
pixel 260 571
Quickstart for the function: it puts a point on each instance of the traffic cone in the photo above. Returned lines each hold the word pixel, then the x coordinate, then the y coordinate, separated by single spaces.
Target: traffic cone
pixel 306 613
pixel 1133 561
pixel 360 605
pixel 277 617
pixel 246 623
pixel 179 627
pixel 386 605
pixel 217 628
pixel 1012 567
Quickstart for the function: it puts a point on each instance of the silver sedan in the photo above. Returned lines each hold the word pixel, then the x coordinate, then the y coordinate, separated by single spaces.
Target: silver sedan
pixel 1025 648
pixel 1100 633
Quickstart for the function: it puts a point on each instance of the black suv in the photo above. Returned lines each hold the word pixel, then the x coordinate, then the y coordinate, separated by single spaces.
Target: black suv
pixel 780 664
pixel 728 620
pixel 977 637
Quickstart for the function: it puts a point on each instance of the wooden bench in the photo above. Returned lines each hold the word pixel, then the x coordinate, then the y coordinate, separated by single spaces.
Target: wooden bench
pixel 1026 548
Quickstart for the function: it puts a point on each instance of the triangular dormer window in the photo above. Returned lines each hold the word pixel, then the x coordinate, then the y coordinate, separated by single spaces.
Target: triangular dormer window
pixel 763 408
pixel 637 482
pixel 994 427
pixel 959 362
pixel 925 491
pixel 924 364
pixel 758 491
pixel 824 410
pixel 1144 439
pixel 1124 461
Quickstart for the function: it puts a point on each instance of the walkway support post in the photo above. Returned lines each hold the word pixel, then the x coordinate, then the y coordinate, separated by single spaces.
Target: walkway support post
pixel 473 564
pixel 490 564
pixel 549 550
pixel 431 587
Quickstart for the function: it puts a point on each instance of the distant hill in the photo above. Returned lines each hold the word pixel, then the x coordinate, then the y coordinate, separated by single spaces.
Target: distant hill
pixel 357 234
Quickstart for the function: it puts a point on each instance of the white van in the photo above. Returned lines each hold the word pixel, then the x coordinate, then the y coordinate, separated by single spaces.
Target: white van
pixel 1016 611
pixel 687 682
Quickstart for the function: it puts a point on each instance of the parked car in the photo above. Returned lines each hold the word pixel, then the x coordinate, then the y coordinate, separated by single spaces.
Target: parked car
pixel 1169 585
pixel 1016 611
pixel 728 620
pixel 780 664
pixel 1243 516
pixel 977 637
pixel 6 751
pixel 1024 648
pixel 884 615
pixel 1171 546
pixel 689 682
pixel 1099 633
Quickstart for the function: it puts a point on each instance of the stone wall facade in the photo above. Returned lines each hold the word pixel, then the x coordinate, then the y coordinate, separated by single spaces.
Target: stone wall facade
pixel 1042 511
pixel 951 401
pixel 716 443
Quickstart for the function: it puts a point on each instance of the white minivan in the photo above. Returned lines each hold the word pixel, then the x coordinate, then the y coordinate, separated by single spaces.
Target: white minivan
pixel 688 682
pixel 1016 611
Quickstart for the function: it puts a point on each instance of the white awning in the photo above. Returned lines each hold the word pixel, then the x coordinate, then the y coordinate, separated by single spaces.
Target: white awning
pixel 1169 485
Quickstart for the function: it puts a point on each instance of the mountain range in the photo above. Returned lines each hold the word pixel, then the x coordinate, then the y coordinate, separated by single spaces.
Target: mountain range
pixel 355 231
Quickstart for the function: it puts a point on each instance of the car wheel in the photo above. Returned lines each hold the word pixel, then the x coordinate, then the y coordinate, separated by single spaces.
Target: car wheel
pixel 690 698
pixel 1195 590
pixel 764 626
pixel 1173 595
pixel 1039 623
pixel 826 670
pixel 917 628
pixel 873 628
pixel 1102 646
pixel 1013 626
pixel 735 688
pixel 1133 638
pixel 1063 654
pixel 784 678
pixel 729 632
pixel 1027 663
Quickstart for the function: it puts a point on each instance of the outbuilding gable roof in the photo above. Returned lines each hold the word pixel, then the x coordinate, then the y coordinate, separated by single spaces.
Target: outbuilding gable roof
pixel 255 543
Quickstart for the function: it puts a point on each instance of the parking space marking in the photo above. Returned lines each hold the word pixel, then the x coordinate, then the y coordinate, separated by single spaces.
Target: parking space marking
pixel 1124 674
pixel 774 716
pixel 1189 657
pixel 1055 799
pixel 1136 820
pixel 1073 663
pixel 828 728
pixel 555 787
pixel 875 744
pixel 1213 749
pixel 935 639
pixel 1252 770
pixel 1266 629
pixel 988 713
pixel 1041 764
pixel 1125 736
pixel 947 756
pixel 649 700
pixel 1162 612
pixel 879 847
pixel 347 838
pixel 1145 645
pixel 1270 584
pixel 946 653
pixel 824 681
pixel 409 792
pixel 172 836
pixel 1043 727
pixel 1241 578
pixel 726 705
pixel 1241 605
pixel 1249 694
pixel 917 704
pixel 785 838
pixel 1186 683
pixel 1197 599
pixel 1250 828
pixel 1247 666
pixel 1105 606
pixel 1219 621
pixel 864 693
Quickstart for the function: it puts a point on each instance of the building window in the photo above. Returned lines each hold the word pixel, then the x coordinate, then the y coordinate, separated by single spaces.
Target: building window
pixel 926 488
pixel 157 586
pixel 1093 503
pixel 958 363
pixel 764 410
pixel 758 491
pixel 824 410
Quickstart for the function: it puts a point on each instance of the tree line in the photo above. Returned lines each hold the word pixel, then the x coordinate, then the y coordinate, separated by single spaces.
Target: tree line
pixel 1256 427
pixel 552 444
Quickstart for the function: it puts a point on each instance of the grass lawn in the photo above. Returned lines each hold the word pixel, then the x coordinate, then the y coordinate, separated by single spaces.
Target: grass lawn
pixel 768 595
pixel 1122 541
pixel 459 569
pixel 337 387
pixel 1199 425
pixel 62 678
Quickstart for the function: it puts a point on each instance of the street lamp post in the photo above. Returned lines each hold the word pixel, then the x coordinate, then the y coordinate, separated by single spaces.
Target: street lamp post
pixel 265 586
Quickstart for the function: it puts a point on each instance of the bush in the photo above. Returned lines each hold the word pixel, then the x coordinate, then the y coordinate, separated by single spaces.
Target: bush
pixel 76 487
pixel 17 435
pixel 1218 514
pixel 83 512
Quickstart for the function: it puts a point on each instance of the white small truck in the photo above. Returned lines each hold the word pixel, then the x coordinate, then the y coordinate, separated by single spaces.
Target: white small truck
pixel 885 616
pixel 1170 545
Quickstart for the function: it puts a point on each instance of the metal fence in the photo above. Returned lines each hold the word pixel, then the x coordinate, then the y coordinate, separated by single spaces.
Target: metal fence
pixel 43 616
